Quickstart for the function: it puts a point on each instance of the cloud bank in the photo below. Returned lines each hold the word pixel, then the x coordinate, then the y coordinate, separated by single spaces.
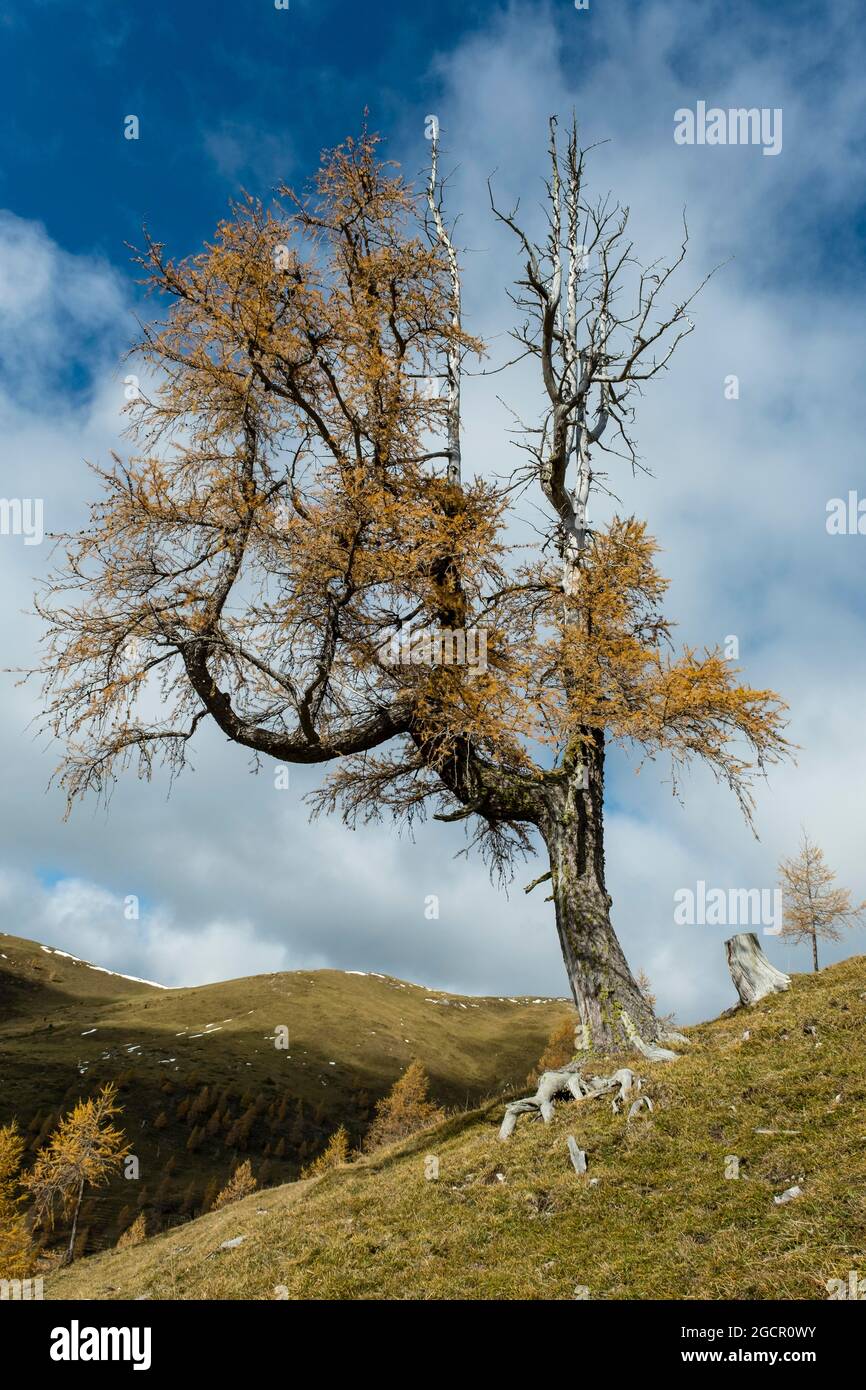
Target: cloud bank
pixel 231 877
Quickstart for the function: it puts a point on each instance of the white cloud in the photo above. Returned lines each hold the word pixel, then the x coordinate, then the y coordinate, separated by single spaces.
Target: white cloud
pixel 232 876
pixel 51 303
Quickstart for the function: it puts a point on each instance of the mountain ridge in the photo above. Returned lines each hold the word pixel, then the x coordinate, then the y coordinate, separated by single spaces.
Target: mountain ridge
pixel 67 1026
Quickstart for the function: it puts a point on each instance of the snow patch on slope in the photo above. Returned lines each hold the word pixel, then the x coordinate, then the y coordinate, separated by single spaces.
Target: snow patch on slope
pixel 50 951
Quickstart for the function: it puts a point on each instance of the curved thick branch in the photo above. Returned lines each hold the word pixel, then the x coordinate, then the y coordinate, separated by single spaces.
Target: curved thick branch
pixel 367 731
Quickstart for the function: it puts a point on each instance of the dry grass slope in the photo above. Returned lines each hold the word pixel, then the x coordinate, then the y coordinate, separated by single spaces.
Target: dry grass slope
pixel 661 1221
pixel 66 1027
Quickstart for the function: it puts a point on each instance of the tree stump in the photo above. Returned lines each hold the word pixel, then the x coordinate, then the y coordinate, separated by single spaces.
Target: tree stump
pixel 751 972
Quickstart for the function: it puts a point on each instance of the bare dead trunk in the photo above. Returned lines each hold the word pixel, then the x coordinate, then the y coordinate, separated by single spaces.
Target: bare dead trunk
pixel 612 1009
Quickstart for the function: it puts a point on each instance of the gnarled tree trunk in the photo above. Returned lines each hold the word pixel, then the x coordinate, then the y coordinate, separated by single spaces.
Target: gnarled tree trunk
pixel 612 1010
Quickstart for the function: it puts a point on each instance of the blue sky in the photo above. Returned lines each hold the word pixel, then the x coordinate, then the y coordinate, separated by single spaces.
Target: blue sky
pixel 221 89
pixel 241 92
pixel 232 95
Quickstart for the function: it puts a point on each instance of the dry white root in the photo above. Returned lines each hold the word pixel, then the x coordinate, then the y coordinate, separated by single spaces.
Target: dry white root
pixel 567 1080
pixel 649 1050
pixel 577 1155
pixel 642 1103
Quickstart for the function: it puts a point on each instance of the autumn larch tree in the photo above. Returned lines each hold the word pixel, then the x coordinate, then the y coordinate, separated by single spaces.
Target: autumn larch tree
pixel 559 1049
pixel 240 1184
pixel 134 1234
pixel 813 909
pixel 298 504
pixel 404 1110
pixel 17 1256
pixel 335 1152
pixel 84 1151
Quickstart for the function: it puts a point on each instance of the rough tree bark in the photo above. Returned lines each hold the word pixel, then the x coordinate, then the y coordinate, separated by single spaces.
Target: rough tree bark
pixel 752 974
pixel 611 1007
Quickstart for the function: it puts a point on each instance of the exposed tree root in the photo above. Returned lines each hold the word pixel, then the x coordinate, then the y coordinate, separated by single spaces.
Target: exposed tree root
pixel 568 1080
pixel 649 1050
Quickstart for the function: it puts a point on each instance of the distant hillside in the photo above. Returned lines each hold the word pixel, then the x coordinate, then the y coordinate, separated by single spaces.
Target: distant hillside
pixel 202 1082
pixel 781 1087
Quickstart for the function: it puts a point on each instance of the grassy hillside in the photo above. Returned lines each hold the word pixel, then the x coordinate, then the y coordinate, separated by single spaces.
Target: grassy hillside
pixel 654 1217
pixel 202 1082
